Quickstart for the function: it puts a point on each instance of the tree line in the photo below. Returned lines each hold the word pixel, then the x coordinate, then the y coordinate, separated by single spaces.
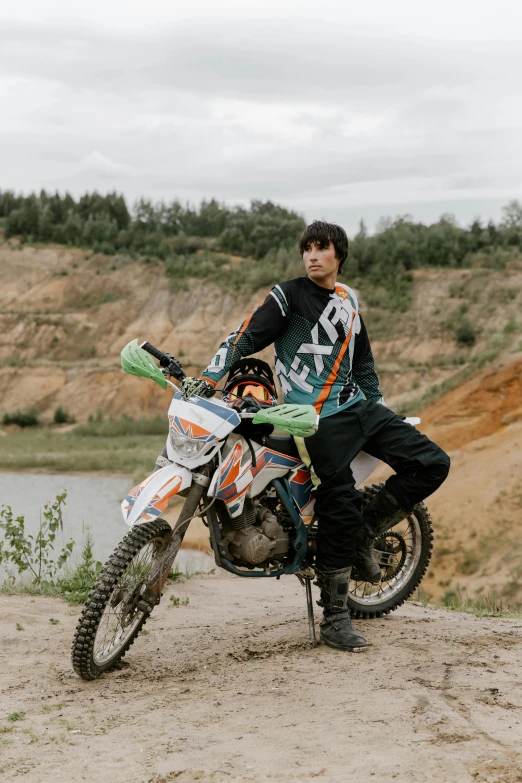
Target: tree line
pixel 193 239
pixel 105 224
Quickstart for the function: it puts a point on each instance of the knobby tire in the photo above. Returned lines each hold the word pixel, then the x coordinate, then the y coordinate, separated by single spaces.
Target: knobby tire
pixel 88 624
pixel 393 602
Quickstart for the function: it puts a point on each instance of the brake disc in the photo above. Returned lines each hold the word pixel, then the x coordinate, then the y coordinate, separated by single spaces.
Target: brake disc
pixel 390 551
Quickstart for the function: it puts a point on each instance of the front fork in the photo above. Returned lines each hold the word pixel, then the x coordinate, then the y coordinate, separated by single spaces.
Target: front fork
pixel 160 572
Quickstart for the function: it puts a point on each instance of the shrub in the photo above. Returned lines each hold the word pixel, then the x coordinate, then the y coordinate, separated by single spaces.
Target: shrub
pixel 511 326
pixel 34 554
pixel 27 418
pixel 465 333
pixel 62 416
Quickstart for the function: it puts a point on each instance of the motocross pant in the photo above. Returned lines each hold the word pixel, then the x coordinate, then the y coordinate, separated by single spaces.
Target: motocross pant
pixel 420 468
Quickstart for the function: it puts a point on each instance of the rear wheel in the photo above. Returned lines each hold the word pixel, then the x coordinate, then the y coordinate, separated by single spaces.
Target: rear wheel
pixel 404 553
pixel 120 601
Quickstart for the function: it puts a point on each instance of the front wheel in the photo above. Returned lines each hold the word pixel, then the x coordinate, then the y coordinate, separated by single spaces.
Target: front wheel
pixel 404 553
pixel 120 601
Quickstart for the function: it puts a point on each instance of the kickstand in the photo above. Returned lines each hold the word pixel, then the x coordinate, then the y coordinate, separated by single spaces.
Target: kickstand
pixel 307 582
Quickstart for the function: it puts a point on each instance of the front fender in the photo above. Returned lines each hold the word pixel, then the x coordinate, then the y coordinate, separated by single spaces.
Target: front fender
pixel 147 500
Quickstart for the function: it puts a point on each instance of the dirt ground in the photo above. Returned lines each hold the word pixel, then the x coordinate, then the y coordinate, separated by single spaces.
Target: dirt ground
pixel 228 688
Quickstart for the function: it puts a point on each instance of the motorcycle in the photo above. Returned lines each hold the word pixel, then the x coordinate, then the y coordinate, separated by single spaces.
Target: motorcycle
pixel 254 493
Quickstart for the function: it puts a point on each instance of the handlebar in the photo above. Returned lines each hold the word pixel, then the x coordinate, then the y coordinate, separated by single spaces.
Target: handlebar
pixel 171 365
pixel 159 355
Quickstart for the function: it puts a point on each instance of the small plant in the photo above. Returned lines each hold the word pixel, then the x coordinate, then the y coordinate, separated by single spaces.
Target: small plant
pixel 19 627
pixel 14 716
pixel 33 553
pixel 176 601
pixel 87 353
pixel 465 333
pixel 62 416
pixel 470 563
pixel 175 575
pixel 53 621
pixel 511 326
pixel 110 296
pixel 76 588
pixel 27 418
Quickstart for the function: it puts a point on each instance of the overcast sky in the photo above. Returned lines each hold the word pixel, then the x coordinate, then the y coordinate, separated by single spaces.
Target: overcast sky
pixel 339 109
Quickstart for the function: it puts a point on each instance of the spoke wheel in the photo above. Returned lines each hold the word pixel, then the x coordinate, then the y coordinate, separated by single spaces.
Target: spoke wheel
pixel 404 553
pixel 120 601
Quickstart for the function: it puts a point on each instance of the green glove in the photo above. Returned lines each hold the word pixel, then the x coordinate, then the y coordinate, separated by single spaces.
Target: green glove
pixel 196 387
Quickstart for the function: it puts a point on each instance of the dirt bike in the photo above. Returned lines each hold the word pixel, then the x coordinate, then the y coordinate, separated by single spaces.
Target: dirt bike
pixel 252 490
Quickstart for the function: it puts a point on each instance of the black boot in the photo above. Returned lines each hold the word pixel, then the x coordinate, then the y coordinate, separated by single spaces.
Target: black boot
pixel 383 512
pixel 366 568
pixel 336 627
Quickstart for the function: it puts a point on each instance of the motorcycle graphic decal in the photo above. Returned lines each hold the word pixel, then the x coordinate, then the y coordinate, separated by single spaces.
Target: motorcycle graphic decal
pixel 233 482
pixel 160 500
pixel 149 499
pixel 302 487
pixel 227 489
pixel 215 407
pixel 189 429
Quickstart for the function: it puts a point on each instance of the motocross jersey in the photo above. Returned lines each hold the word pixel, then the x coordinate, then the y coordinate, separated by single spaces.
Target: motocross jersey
pixel 322 351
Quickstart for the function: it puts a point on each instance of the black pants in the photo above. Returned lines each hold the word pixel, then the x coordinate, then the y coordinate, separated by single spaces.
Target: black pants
pixel 420 465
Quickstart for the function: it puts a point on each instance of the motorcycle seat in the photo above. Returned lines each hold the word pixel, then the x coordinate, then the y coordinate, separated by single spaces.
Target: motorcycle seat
pixel 284 444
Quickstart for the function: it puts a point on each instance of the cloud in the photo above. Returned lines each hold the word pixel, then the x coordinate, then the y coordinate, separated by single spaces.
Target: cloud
pixel 270 108
pixel 102 165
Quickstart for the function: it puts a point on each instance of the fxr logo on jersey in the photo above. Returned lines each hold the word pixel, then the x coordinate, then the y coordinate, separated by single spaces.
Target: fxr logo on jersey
pixel 336 321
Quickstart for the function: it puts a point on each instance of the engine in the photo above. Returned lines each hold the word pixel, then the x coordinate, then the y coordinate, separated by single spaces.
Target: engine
pixel 257 537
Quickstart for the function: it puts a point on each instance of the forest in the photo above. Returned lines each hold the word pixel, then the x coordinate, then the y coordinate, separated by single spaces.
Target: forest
pixel 200 241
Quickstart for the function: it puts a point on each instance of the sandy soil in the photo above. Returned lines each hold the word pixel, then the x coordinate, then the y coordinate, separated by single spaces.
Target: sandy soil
pixel 228 688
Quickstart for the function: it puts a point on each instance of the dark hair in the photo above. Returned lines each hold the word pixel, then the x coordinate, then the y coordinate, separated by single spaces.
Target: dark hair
pixel 321 234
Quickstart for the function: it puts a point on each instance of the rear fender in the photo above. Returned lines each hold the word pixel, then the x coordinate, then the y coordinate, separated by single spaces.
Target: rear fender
pixel 148 500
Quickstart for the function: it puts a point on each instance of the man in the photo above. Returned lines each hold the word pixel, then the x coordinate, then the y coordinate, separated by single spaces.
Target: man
pixel 323 357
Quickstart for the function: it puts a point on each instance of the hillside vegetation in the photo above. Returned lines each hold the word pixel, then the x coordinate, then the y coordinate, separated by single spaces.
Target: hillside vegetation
pixel 206 241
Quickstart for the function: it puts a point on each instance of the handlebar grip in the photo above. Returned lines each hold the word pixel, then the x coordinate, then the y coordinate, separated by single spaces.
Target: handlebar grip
pixel 159 355
pixel 170 364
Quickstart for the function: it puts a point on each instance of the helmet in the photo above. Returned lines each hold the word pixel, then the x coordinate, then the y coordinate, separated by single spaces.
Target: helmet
pixel 251 378
pixel 252 389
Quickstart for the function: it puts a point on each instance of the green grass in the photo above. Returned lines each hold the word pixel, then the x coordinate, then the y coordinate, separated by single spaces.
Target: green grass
pixel 125 425
pixel 176 601
pixel 14 716
pixel 480 606
pixel 487 606
pixel 74 584
pixel 47 450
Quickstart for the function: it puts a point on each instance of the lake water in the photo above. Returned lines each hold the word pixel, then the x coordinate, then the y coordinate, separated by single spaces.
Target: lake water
pixel 92 502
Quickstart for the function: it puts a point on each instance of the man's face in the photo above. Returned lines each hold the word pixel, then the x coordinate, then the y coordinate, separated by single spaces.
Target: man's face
pixel 320 264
